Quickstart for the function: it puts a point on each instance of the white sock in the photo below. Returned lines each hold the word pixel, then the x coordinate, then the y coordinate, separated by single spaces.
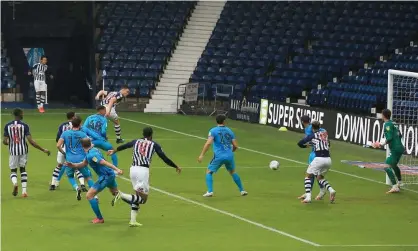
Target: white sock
pixel 13 177
pixel 134 213
pixel 125 196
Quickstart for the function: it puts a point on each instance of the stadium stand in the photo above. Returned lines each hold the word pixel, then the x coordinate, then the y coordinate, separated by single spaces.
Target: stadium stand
pixel 277 50
pixel 137 40
pixel 7 81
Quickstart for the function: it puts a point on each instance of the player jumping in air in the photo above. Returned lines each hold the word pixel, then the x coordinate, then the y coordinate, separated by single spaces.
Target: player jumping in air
pixel 110 100
pixel 224 146
pixel 74 153
pixel 306 122
pixel 394 139
pixel 105 172
pixel 15 134
pixel 59 171
pixel 143 150
pixel 320 164
pixel 40 72
pixel 98 124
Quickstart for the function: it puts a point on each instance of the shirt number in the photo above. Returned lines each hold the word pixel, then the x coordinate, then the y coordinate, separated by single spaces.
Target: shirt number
pixel 143 148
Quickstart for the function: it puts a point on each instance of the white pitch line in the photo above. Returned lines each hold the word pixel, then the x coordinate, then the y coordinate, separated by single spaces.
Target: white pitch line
pixel 262 153
pixel 372 245
pixel 231 215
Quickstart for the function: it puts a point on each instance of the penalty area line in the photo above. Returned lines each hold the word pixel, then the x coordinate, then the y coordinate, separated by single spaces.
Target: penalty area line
pixel 370 245
pixel 262 153
pixel 231 215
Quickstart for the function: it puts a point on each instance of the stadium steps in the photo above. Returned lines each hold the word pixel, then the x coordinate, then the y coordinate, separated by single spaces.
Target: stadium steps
pixel 184 59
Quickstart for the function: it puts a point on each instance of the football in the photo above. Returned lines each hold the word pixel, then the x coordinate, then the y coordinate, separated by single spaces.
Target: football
pixel 274 165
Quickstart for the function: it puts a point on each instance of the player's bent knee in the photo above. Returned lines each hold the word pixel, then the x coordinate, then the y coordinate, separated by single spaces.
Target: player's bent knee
pixel 231 172
pixel 209 171
pixel 91 193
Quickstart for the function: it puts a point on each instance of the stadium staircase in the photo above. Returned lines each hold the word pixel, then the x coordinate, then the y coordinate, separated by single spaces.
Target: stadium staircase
pixel 185 57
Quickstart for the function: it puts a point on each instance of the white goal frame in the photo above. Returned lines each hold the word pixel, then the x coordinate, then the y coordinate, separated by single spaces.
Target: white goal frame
pixel 390 97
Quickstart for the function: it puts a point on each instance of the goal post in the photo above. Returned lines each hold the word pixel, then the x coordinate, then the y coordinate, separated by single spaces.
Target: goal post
pixel 402 100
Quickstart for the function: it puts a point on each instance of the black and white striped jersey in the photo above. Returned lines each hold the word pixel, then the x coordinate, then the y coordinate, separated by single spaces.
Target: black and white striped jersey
pixel 17 131
pixel 319 141
pixel 39 72
pixel 62 128
pixel 143 150
pixel 111 95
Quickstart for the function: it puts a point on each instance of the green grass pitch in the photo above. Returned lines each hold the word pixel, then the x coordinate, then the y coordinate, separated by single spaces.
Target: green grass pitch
pixel 177 217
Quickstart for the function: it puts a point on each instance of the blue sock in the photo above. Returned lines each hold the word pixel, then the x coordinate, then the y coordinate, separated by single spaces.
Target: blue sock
pixel 209 182
pixel 237 181
pixel 115 160
pixel 73 182
pixel 95 206
pixel 62 171
pixel 90 182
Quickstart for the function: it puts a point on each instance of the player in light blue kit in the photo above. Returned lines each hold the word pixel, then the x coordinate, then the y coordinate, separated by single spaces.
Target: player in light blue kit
pixel 98 124
pixel 306 121
pixel 224 146
pixel 71 140
pixel 104 170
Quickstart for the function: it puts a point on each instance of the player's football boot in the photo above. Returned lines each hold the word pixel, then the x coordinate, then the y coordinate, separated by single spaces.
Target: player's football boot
pixel 135 224
pixel 15 190
pixel 78 197
pixel 119 141
pixel 24 195
pixel 208 194
pixel 97 221
pixel 83 188
pixel 115 199
pixel 302 197
pixel 52 187
pixel 400 184
pixel 321 194
pixel 244 193
pixel 307 199
pixel 41 110
pixel 394 189
pixel 332 196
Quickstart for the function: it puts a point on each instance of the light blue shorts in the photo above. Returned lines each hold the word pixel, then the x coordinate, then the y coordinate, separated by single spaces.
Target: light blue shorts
pixel 102 144
pixel 105 181
pixel 218 162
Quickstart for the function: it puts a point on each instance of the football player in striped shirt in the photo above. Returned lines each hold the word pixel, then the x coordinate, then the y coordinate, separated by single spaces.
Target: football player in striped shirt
pixel 321 164
pixel 110 100
pixel 59 171
pixel 15 134
pixel 143 150
pixel 306 122
pixel 40 72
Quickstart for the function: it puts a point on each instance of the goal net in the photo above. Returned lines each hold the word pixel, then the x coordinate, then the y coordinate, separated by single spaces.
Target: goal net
pixel 403 102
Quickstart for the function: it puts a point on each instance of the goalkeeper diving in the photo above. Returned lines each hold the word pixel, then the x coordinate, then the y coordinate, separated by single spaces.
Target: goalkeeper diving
pixel 394 139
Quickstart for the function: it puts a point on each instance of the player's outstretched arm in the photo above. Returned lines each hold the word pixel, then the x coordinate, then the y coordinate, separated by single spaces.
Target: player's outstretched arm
pixel 6 140
pixel 34 144
pixel 100 93
pixel 234 145
pixel 76 165
pixel 305 141
pixel 60 143
pixel 122 147
pixel 205 149
pixel 166 160
pixel 110 165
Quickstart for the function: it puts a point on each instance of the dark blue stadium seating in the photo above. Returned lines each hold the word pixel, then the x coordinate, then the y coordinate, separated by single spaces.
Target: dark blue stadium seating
pixel 7 81
pixel 280 49
pixel 136 41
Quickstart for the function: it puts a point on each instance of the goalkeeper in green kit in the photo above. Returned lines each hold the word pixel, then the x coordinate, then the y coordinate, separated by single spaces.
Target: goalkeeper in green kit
pixel 394 140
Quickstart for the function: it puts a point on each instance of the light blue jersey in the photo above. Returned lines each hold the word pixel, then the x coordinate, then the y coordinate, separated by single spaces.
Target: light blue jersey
pixel 97 123
pixel 74 152
pixel 106 175
pixel 222 148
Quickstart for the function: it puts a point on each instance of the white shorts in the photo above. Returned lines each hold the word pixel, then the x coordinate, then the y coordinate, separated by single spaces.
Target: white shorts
pixel 60 157
pixel 112 115
pixel 140 178
pixel 40 86
pixel 319 166
pixel 16 161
